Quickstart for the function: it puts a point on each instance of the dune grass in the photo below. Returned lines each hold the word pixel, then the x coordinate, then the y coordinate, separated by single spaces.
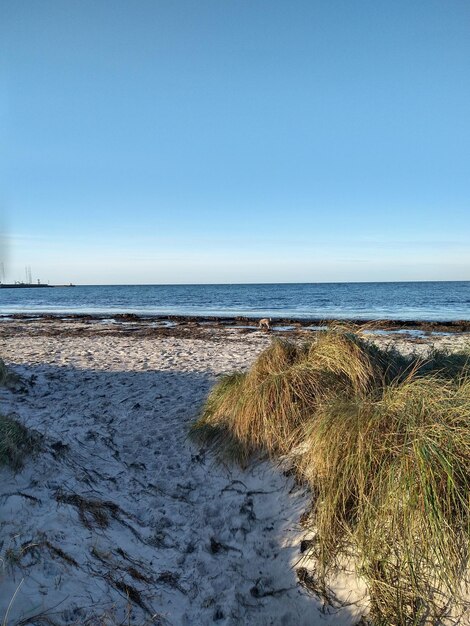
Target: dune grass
pixel 264 407
pixel 3 373
pixel 15 441
pixel 384 443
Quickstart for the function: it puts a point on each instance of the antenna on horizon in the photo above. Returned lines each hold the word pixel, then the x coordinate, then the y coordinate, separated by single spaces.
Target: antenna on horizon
pixel 27 271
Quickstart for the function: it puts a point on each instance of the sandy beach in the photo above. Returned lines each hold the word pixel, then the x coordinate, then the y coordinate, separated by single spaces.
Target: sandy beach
pixel 118 517
pixel 234 313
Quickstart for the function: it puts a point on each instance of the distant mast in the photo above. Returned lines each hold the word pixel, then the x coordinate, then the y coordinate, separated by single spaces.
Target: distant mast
pixel 28 274
pixel 27 283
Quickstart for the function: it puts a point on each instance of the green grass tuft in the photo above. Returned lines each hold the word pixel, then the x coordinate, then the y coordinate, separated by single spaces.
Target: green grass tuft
pixel 15 442
pixel 4 374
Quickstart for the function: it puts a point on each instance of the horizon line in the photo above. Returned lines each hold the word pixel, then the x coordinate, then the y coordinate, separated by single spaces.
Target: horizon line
pixel 228 284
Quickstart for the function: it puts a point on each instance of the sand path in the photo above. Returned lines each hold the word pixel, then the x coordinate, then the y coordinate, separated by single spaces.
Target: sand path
pixel 119 516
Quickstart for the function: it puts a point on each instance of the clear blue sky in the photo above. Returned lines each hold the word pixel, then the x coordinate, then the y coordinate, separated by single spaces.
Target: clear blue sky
pixel 235 140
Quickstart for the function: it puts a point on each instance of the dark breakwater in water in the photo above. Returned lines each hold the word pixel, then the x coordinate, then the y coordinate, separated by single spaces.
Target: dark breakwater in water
pixel 420 301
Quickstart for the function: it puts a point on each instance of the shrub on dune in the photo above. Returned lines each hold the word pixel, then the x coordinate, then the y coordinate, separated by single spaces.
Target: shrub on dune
pixel 383 441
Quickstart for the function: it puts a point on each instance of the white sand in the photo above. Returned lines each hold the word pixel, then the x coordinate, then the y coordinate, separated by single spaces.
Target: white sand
pixel 212 544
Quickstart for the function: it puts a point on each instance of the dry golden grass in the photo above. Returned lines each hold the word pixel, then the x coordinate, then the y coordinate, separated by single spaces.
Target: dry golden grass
pixel 265 407
pixel 384 443
pixel 391 479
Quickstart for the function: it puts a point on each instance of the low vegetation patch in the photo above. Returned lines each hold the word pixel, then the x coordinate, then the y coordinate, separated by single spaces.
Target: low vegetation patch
pixel 384 443
pixel 14 437
pixel 15 442
pixel 4 374
pixel 10 379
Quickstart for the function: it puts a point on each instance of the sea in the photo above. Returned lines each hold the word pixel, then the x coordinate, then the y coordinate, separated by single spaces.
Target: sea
pixel 433 301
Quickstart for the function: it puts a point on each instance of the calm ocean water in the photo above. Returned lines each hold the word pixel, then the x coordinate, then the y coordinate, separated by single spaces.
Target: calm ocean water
pixel 420 301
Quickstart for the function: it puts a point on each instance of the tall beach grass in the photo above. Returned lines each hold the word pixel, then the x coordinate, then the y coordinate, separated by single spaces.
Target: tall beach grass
pixel 384 442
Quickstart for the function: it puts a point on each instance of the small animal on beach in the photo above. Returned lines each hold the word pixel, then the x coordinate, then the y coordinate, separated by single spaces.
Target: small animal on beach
pixel 265 323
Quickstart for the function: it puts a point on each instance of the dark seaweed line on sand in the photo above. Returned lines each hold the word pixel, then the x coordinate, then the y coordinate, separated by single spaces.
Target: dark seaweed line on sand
pixel 382 324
